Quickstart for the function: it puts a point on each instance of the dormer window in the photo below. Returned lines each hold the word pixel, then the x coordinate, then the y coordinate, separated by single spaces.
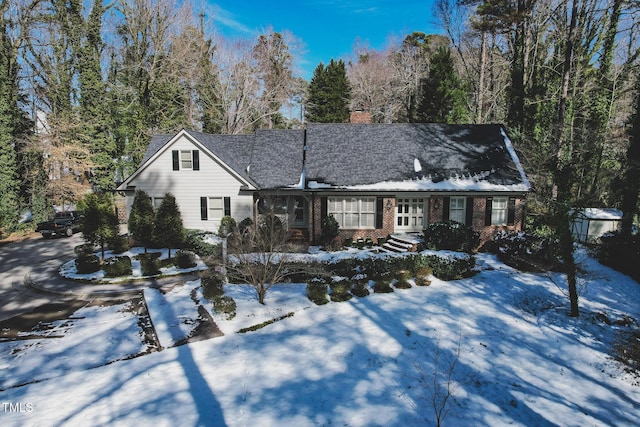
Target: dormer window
pixel 186 160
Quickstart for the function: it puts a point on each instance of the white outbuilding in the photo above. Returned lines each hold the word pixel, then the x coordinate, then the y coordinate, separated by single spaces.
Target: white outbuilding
pixel 589 224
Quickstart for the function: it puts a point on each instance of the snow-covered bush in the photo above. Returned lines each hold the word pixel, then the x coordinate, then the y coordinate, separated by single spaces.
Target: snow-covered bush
pixel 117 266
pixel 195 241
pixel 382 283
pixel 423 276
pixel 451 236
pixel 525 251
pixel 360 285
pixel 402 279
pixel 225 305
pixel 317 289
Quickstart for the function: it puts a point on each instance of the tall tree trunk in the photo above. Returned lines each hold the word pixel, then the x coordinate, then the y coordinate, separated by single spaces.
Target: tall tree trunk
pixel 483 65
pixel 563 171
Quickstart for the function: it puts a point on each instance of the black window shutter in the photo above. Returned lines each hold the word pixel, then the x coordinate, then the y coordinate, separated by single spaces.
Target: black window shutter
pixel 203 208
pixel 196 160
pixel 176 160
pixel 487 212
pixel 323 207
pixel 379 212
pixel 468 220
pixel 227 206
pixel 446 206
pixel 511 211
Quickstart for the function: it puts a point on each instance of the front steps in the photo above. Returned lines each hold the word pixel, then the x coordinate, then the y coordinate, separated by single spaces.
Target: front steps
pixel 400 243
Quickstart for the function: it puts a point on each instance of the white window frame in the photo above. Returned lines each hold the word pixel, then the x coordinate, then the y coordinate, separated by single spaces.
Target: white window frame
pixel 186 159
pixel 353 213
pixel 157 201
pixel 458 209
pixel 215 213
pixel 499 210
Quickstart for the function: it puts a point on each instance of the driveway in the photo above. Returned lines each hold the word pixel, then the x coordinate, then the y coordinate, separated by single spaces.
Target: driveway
pixel 36 258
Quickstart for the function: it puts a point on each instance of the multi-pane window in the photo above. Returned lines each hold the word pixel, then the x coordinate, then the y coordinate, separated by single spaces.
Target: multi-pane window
pixel 499 211
pixel 353 212
pixel 186 159
pixel 157 201
pixel 216 208
pixel 457 209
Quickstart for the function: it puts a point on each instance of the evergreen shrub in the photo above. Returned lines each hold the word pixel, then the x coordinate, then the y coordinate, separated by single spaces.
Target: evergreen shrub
pixel 450 235
pixel 527 252
pixel 185 259
pixel 340 290
pixel 621 253
pixel 194 241
pixel 227 226
pixel 117 266
pixel 226 306
pixel 382 283
pixel 212 284
pixel 423 276
pixel 118 244
pixel 329 231
pixel 360 287
pixel 87 263
pixel 317 289
pixel 402 279
pixel 149 263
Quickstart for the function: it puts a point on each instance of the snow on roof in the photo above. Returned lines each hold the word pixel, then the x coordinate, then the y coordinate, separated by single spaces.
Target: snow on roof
pixel 601 213
pixel 460 183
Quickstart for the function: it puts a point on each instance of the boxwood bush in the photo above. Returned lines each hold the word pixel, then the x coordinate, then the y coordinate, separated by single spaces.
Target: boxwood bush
pixel 450 235
pixel 149 263
pixel 117 266
pixel 317 290
pixel 87 263
pixel 185 259
pixel 226 306
pixel 212 284
pixel 360 285
pixel 340 290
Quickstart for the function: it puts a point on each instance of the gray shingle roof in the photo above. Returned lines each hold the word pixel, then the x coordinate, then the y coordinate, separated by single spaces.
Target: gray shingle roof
pixel 348 155
pixel 362 154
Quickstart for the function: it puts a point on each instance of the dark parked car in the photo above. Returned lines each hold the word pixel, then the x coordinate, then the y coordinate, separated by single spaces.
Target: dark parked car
pixel 63 224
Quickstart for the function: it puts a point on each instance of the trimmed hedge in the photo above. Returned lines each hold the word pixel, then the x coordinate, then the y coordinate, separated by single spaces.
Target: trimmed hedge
pixel 117 266
pixel 452 236
pixel 150 263
pixel 87 263
pixel 185 259
pixel 317 289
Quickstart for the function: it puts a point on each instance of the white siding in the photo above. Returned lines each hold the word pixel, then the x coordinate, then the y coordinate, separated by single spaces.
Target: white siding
pixel 212 180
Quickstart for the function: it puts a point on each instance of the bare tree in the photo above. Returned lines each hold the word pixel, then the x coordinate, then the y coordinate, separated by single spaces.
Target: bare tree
pixel 257 255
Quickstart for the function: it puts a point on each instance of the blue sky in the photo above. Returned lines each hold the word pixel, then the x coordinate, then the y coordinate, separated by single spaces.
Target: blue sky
pixel 328 28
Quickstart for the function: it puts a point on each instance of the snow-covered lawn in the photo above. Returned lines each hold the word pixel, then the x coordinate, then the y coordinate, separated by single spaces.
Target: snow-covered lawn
pixel 519 360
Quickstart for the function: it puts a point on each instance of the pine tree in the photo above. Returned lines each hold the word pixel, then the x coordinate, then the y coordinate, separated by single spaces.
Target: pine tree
pixel 9 184
pixel 100 224
pixel 442 94
pixel 93 103
pixel 141 219
pixel 329 94
pixel 168 230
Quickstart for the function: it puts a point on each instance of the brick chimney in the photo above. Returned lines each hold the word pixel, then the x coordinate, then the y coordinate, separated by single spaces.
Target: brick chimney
pixel 360 117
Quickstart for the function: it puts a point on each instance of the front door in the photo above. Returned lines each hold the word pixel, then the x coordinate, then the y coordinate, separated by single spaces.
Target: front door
pixel 410 214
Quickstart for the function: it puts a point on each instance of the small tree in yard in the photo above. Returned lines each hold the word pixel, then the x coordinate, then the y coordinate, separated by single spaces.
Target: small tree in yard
pixel 257 255
pixel 168 230
pixel 141 219
pixel 100 224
